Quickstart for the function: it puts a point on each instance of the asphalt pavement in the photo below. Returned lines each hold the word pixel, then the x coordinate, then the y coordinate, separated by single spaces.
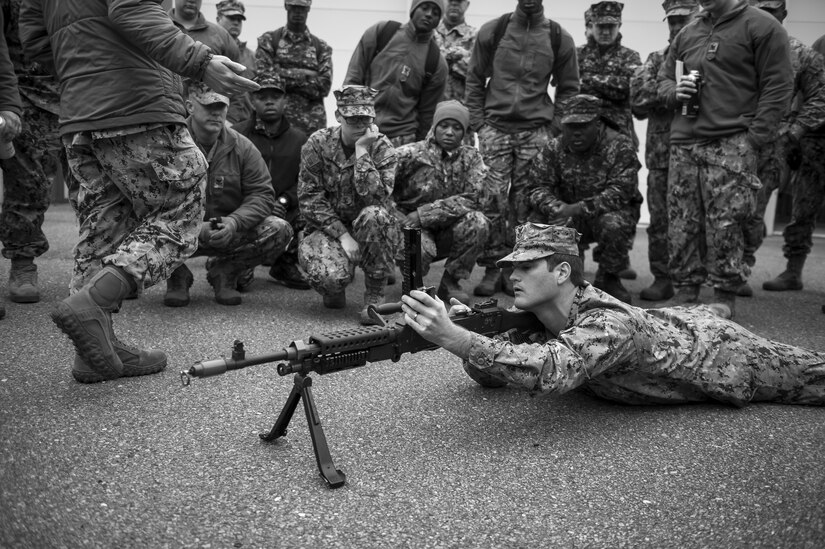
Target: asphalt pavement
pixel 431 458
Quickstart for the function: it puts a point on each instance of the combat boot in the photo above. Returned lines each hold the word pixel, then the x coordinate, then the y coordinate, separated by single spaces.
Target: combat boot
pixel 373 295
pixel 660 290
pixel 23 281
pixel 224 280
pixel 506 283
pixel 724 303
pixel 490 284
pixel 177 287
pixel 450 288
pixel 685 296
pixel 610 283
pixel 790 279
pixel 744 290
pixel 335 301
pixel 245 279
pixel 288 274
pixel 136 362
pixel 86 317
pixel 628 274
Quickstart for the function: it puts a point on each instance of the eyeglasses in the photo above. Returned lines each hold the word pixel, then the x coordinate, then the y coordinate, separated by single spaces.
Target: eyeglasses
pixel 358 121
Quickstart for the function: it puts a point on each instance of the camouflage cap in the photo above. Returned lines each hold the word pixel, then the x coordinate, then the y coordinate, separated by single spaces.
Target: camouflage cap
pixel 228 8
pixel 203 94
pixel 769 4
pixel 356 100
pixel 305 3
pixel 605 13
pixel 581 108
pixel 588 17
pixel 679 7
pixel 534 241
pixel 269 80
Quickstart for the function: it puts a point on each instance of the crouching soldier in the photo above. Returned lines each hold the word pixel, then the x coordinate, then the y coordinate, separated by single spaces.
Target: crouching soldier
pixel 344 187
pixel 239 231
pixel 439 187
pixel 588 179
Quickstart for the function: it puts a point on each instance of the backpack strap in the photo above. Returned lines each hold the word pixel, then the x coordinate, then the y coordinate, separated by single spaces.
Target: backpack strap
pixel 386 33
pixel 433 56
pixel 501 28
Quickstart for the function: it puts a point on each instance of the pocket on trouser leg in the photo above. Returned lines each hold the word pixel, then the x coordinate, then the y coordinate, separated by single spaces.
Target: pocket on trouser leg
pixel 328 269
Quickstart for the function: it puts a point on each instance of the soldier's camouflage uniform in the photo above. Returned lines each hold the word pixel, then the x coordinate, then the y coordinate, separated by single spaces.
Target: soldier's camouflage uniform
pixel 261 245
pixel 448 192
pixel 604 180
pixel 645 103
pixel 606 73
pixel 808 189
pixel 145 182
pixel 773 169
pixel 657 356
pixel 456 46
pixel 306 72
pixel 27 176
pixel 339 194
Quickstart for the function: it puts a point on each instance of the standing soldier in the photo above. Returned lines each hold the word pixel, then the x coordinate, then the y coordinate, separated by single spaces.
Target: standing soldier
pixel 304 63
pixel 645 103
pixel 439 187
pixel 801 144
pixel 27 176
pixel 231 17
pixel 456 39
pixel 743 55
pixel 188 17
pixel 405 64
pixel 515 56
pixel 344 187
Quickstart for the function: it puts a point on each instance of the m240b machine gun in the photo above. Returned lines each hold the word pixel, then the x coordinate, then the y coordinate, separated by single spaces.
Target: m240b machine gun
pixel 352 348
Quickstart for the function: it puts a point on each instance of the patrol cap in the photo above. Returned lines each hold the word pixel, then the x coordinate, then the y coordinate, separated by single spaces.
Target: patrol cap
pixel 679 7
pixel 605 13
pixel 769 4
pixel 415 3
pixel 228 8
pixel 203 94
pixel 269 80
pixel 581 108
pixel 534 241
pixel 356 100
pixel 588 16
pixel 452 110
pixel 305 3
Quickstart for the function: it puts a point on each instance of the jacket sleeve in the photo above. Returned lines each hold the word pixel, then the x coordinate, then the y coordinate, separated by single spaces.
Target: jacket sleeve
pixel 312 194
pixel 467 199
pixel 256 186
pixel 359 64
pixel 644 97
pixel 773 68
pixel 622 178
pixel 147 26
pixel 597 343
pixel 477 73
pixel 538 191
pixel 614 86
pixel 9 94
pixel 319 86
pixel 430 96
pixel 666 78
pixel 811 79
pixel 34 36
pixel 566 74
pixel 375 172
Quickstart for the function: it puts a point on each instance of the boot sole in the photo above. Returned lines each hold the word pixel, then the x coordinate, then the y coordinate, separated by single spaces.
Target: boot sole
pixel 87 346
pixel 24 298
pixel 786 288
pixel 176 302
pixel 134 371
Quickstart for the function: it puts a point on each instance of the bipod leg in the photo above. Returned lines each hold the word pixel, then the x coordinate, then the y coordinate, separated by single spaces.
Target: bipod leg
pixel 302 390
pixel 279 429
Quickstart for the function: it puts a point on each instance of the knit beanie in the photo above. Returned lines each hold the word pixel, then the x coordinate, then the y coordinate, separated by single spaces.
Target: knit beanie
pixel 416 3
pixel 452 110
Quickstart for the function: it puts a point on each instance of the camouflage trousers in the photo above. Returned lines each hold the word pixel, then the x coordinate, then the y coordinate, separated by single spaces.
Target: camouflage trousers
pixel 508 158
pixel 460 242
pixel 27 183
pixel 808 191
pixel 261 245
pixel 613 233
pixel 657 229
pixel 712 189
pixel 329 270
pixel 774 173
pixel 138 199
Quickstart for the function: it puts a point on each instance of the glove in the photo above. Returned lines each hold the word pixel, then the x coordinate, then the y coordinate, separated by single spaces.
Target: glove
pixel 225 233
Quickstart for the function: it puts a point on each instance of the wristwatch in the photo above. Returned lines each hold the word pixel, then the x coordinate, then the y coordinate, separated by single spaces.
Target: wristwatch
pixel 283 201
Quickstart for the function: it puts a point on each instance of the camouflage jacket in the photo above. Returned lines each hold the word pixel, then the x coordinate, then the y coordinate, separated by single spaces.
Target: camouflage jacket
pixel 655 356
pixel 441 187
pixel 645 103
pixel 333 188
pixel 808 112
pixel 606 74
pixel 33 80
pixel 456 46
pixel 604 179
pixel 306 71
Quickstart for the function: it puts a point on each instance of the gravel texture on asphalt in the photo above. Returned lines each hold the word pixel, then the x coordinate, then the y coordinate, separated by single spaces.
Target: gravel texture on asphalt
pixel 432 459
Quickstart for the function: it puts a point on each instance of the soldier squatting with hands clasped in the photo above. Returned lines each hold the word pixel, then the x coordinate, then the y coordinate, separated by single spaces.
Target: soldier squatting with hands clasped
pixel 612 350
